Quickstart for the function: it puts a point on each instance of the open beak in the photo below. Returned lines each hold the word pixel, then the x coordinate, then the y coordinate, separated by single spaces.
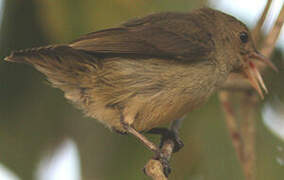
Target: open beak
pixel 253 73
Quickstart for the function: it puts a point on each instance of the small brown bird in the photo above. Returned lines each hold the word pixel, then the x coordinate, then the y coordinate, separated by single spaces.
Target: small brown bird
pixel 151 70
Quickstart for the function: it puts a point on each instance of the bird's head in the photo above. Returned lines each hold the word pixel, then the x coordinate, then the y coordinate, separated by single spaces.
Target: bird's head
pixel 238 42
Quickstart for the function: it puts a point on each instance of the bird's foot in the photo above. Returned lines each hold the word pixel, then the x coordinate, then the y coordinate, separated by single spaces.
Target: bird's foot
pixel 168 135
pixel 171 135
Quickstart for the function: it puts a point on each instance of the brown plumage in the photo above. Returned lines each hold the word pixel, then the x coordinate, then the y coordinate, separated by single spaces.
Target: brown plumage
pixel 149 71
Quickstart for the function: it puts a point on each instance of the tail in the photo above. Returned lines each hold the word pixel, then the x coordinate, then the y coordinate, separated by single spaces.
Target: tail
pixel 22 56
pixel 52 53
pixel 57 60
pixel 66 68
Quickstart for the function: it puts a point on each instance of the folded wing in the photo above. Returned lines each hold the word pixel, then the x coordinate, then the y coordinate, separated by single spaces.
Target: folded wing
pixel 171 35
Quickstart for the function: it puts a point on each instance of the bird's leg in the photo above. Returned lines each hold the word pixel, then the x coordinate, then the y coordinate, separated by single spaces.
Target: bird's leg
pixel 171 133
pixel 158 154
pixel 129 129
pixel 174 128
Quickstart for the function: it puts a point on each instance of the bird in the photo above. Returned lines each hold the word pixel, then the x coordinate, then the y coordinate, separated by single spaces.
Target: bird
pixel 150 70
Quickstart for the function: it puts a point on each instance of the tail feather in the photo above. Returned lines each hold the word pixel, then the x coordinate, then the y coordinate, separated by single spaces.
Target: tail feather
pixel 66 68
pixel 23 54
pixel 58 58
pixel 41 53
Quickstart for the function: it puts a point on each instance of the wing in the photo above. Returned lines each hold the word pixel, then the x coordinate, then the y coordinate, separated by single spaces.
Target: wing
pixel 166 35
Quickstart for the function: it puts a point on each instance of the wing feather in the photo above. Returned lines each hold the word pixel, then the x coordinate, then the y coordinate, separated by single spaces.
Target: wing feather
pixel 165 36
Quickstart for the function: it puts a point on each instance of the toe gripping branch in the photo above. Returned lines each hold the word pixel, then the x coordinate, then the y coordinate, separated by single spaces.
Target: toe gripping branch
pixel 168 135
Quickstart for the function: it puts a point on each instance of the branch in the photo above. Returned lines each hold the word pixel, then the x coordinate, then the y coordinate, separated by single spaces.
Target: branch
pixel 257 29
pixel 272 36
pixel 231 122
pixel 247 131
pixel 154 168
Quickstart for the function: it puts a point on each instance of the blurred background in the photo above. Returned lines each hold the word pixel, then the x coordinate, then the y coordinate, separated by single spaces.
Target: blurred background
pixel 43 137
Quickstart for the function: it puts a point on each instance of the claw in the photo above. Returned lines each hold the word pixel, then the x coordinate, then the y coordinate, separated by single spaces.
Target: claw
pixel 166 135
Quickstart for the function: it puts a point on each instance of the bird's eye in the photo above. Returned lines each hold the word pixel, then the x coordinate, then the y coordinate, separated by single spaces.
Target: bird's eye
pixel 244 37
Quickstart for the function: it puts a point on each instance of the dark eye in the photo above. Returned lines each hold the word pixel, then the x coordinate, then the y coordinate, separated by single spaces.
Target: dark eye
pixel 244 37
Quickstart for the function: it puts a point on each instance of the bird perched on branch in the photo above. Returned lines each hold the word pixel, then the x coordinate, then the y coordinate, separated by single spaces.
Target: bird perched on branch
pixel 151 70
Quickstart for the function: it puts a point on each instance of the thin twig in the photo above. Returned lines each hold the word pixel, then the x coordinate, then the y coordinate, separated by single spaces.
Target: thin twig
pixel 231 122
pixel 257 29
pixel 247 129
pixel 269 43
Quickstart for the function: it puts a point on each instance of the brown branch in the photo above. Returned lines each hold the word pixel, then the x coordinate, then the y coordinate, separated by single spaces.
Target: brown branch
pixel 243 135
pixel 272 36
pixel 247 129
pixel 231 122
pixel 257 29
pixel 154 168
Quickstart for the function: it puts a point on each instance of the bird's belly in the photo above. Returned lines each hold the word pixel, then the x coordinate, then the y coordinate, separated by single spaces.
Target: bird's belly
pixel 166 109
pixel 151 111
